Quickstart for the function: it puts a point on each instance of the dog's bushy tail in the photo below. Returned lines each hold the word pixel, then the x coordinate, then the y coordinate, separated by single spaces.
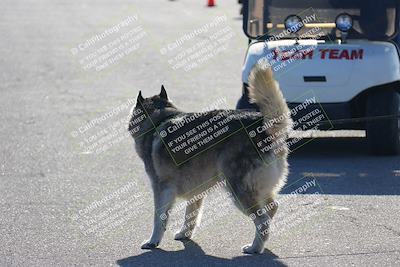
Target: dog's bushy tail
pixel 264 91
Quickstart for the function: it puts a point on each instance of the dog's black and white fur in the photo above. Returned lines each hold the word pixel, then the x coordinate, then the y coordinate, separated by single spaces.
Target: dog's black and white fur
pixel 253 182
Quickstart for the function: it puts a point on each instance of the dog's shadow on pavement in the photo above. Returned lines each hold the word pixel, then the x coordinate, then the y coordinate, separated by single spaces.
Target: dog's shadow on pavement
pixel 193 255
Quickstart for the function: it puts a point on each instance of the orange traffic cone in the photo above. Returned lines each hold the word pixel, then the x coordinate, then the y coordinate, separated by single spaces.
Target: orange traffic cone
pixel 211 3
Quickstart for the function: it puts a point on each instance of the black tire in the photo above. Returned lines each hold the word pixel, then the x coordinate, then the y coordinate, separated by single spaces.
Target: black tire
pixel 383 136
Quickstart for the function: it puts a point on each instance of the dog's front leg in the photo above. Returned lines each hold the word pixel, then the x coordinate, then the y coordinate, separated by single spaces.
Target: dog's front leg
pixel 191 214
pixel 164 197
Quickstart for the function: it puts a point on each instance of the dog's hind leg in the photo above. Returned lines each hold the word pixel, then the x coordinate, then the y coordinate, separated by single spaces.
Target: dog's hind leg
pixel 261 217
pixel 249 201
pixel 164 198
pixel 253 186
pixel 191 215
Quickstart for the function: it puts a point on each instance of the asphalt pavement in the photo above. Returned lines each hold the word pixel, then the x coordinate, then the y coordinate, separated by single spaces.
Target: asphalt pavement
pixel 73 192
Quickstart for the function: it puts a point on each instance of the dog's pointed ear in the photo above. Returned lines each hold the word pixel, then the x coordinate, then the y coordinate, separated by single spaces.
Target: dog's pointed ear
pixel 139 98
pixel 163 93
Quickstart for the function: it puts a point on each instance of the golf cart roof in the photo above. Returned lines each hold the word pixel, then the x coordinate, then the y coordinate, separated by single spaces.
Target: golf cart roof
pixel 372 19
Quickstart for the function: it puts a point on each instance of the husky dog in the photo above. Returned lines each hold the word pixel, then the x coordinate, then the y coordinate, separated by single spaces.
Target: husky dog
pixel 255 178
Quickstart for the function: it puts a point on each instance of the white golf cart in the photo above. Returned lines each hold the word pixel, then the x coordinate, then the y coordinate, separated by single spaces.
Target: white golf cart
pixel 341 53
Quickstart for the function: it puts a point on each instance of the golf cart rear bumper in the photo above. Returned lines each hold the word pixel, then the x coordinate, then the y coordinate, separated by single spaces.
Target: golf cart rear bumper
pixel 337 115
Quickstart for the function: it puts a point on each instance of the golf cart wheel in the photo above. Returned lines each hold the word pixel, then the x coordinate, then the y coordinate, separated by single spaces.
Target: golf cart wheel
pixel 383 135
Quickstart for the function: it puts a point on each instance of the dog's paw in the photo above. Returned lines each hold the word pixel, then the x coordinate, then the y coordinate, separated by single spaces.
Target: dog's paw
pixel 250 249
pixel 149 245
pixel 182 236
